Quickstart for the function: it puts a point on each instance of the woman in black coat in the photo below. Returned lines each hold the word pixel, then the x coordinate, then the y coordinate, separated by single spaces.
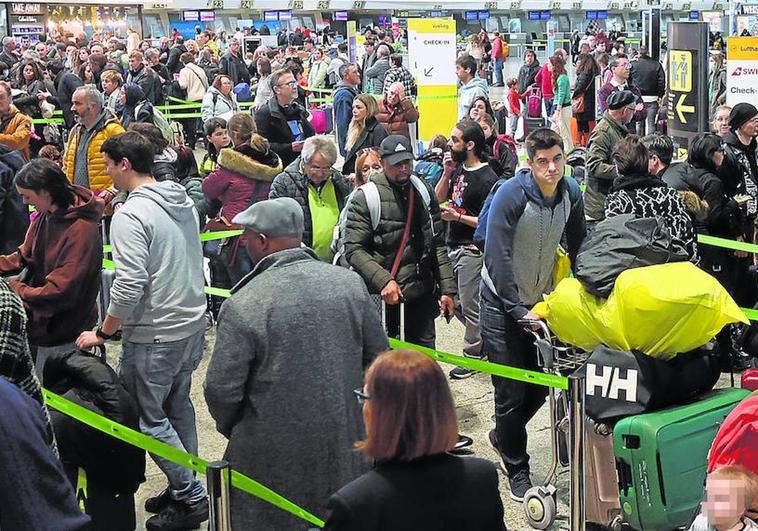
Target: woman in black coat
pixel 416 485
pixel 364 130
pixel 586 70
pixel 136 108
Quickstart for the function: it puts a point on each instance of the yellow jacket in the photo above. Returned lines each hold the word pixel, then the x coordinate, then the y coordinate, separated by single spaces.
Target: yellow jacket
pixel 98 179
pixel 16 131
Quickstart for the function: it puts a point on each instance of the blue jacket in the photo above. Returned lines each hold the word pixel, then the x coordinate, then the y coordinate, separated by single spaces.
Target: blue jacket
pixel 523 232
pixel 344 95
pixel 35 494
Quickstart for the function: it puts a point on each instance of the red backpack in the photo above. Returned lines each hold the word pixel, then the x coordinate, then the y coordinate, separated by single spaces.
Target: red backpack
pixel 737 439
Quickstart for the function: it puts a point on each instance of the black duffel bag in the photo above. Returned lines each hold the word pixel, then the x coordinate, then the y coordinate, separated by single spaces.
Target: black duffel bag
pixel 620 383
pixel 620 243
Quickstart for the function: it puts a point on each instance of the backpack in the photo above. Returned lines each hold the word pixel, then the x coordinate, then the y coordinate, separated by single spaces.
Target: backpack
pixel 374 204
pixel 428 170
pixel 243 92
pixel 506 49
pixel 737 438
pixel 161 123
pixel 506 154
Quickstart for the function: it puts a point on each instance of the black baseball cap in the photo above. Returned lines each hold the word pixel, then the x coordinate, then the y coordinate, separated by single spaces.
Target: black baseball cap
pixel 396 149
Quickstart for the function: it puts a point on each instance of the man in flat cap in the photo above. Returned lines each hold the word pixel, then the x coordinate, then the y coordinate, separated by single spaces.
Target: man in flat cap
pixel 601 171
pixel 291 345
pixel 742 169
pixel 395 240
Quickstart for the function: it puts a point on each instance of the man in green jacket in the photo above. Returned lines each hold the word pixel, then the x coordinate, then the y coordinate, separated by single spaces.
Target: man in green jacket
pixel 601 171
pixel 402 264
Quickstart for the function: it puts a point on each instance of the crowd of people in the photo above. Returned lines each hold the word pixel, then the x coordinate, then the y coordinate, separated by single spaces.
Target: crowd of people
pixel 333 226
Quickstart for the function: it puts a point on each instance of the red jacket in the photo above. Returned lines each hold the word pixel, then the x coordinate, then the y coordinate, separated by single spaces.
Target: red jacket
pixel 497 48
pixel 544 80
pixel 63 252
pixel 514 102
pixel 243 176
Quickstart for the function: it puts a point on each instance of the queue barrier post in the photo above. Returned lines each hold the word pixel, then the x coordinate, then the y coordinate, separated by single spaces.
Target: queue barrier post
pixel 219 479
pixel 576 447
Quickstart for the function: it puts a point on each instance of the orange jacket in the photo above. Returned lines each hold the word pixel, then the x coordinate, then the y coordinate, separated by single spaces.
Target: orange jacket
pixel 16 131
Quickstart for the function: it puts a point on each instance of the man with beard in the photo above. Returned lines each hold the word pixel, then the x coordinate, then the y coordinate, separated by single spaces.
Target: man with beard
pixel 407 237
pixel 466 181
pixel 82 160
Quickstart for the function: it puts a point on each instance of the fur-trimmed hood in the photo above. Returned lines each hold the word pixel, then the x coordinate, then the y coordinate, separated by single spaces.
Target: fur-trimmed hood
pixel 254 160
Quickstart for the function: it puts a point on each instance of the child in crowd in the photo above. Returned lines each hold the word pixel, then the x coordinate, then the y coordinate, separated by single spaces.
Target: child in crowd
pixel 514 106
pixel 731 496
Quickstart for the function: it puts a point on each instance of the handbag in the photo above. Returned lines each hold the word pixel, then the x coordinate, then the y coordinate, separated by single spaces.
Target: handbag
pixel 577 104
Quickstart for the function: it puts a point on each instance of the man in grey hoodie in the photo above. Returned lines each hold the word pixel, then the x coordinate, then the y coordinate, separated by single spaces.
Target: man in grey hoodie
pixel 471 86
pixel 157 299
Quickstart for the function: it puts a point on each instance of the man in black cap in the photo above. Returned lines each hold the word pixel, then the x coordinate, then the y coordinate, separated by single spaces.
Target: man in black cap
pixel 260 386
pixel 394 239
pixel 601 171
pixel 740 174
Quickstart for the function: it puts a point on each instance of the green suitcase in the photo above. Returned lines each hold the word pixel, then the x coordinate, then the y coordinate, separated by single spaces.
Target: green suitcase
pixel 661 459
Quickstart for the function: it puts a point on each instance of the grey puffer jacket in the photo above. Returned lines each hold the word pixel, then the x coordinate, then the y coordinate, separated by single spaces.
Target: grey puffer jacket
pixel 293 182
pixel 424 262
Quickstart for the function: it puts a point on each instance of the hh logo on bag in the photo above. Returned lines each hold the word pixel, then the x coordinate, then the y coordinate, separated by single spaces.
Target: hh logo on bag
pixel 609 381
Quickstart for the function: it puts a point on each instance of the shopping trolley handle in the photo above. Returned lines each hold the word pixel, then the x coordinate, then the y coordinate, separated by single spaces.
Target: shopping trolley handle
pixel 537 327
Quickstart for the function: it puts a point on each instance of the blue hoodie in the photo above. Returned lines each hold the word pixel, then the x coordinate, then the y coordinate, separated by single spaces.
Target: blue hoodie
pixel 522 235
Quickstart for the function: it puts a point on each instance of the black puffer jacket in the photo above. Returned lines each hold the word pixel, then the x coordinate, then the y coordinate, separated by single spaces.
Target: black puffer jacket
pixel 293 182
pixel 114 466
pixel 372 136
pixel 739 173
pixel 424 262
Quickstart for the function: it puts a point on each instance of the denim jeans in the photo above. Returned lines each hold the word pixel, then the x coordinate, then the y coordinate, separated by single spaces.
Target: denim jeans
pixel 651 113
pixel 504 341
pixel 498 67
pixel 467 266
pixel 159 375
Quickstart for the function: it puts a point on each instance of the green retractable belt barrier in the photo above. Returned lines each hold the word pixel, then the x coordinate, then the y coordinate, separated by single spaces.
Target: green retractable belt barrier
pixel 172 454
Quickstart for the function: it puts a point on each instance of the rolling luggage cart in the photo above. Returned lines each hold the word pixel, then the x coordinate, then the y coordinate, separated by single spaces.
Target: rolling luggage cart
pixel 567 426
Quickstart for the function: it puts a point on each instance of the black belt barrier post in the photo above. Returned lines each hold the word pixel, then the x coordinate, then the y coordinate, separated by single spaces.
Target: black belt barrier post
pixel 576 440
pixel 219 476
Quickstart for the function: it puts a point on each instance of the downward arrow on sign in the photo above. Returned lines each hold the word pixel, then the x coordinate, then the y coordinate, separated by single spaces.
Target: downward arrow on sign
pixel 681 108
pixel 428 73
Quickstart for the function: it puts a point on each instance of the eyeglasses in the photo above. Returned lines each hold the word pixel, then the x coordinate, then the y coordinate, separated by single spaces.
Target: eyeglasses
pixel 361 396
pixel 290 84
pixel 366 150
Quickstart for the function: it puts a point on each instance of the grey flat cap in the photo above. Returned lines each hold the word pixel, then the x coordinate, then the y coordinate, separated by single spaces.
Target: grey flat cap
pixel 276 218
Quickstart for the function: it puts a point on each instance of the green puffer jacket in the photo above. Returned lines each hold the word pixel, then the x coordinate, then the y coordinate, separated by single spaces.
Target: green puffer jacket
pixel 601 171
pixel 371 253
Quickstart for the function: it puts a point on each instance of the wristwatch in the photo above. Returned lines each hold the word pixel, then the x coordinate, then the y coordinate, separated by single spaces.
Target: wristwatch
pixel 102 335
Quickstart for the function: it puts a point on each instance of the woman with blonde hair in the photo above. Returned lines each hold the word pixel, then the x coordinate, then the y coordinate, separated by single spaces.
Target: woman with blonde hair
pixel 364 130
pixel 242 177
pixel 416 484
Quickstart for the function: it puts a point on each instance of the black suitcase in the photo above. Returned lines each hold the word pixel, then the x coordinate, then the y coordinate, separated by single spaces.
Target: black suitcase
pixel 532 124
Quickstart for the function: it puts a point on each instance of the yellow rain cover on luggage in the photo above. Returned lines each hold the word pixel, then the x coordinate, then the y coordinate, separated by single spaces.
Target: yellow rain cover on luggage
pixel 660 310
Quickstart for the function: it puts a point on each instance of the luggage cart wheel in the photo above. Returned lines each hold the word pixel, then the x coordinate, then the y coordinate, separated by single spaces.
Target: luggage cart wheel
pixel 539 507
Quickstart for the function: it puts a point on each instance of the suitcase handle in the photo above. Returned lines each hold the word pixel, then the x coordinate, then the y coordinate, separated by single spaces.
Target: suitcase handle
pixel 624 471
